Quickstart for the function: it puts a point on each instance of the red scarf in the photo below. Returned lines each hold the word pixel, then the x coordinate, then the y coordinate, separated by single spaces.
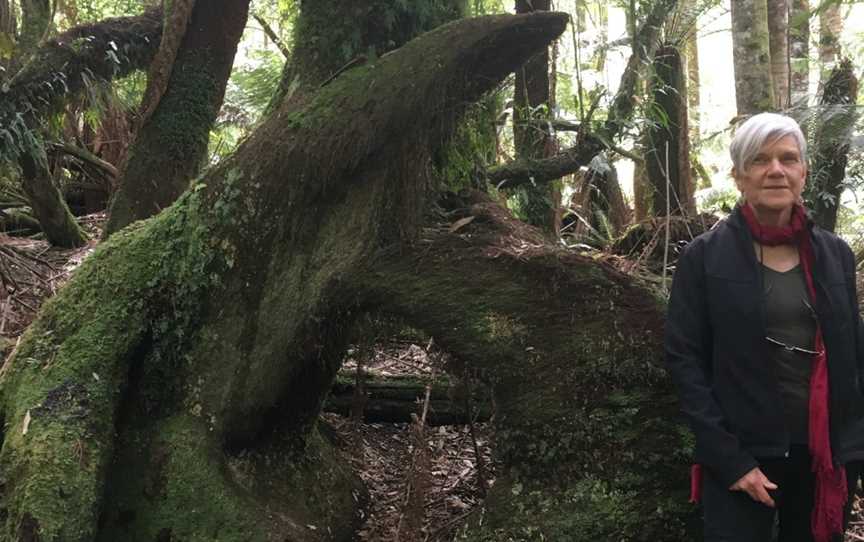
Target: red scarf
pixel 830 498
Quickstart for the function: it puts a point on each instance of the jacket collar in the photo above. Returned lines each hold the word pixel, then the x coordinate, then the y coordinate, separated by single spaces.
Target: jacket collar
pixel 736 220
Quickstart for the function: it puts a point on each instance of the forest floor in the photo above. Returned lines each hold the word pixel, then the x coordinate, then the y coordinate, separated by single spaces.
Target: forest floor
pixel 421 480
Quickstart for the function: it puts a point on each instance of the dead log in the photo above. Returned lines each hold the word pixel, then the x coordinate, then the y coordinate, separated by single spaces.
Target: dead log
pixel 394 399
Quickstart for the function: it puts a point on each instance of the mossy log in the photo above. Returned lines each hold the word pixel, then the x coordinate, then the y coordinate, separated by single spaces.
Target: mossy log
pixel 18 221
pixel 170 390
pixel 395 399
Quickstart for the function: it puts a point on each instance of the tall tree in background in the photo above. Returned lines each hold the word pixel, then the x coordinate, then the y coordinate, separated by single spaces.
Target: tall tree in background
pixel 37 174
pixel 8 26
pixel 532 105
pixel 184 95
pixel 836 118
pixel 667 148
pixel 799 52
pixel 691 47
pixel 830 28
pixel 751 53
pixel 778 43
pixel 35 21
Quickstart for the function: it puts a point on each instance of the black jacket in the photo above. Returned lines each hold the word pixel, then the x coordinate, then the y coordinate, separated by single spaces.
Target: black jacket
pixel 717 353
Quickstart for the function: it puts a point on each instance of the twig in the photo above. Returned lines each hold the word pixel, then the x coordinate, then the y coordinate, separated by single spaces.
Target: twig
pixel 668 223
pixel 272 35
pixel 478 457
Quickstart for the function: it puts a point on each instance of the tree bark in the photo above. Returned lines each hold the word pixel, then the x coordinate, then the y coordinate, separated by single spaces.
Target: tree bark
pixel 693 85
pixel 171 146
pixel 667 144
pixel 754 90
pixel 600 202
pixel 778 44
pixel 189 356
pixel 533 140
pixel 8 27
pixel 35 21
pixel 366 30
pixel 830 28
pixel 837 118
pixel 47 202
pixel 799 52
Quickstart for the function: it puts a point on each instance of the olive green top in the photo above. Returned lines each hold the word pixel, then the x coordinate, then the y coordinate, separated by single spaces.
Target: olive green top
pixel 790 320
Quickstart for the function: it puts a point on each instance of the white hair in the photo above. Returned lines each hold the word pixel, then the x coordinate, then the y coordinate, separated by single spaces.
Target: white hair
pixel 760 129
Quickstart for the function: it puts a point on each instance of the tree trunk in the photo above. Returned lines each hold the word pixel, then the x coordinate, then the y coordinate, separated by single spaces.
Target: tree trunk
pixel 171 389
pixel 830 28
pixel 799 51
pixel 171 146
pixel 754 90
pixel 667 147
pixel 35 22
pixel 641 192
pixel 837 117
pixel 362 32
pixel 693 86
pixel 600 202
pixel 532 140
pixel 47 202
pixel 778 44
pixel 8 26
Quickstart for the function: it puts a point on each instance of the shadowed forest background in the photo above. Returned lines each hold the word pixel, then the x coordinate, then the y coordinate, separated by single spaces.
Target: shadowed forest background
pixel 294 270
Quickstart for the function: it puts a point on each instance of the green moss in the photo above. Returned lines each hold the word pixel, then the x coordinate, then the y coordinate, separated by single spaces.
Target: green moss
pixel 72 366
pixel 171 477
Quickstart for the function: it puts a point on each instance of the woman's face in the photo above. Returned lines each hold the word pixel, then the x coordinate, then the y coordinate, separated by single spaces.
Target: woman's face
pixel 775 179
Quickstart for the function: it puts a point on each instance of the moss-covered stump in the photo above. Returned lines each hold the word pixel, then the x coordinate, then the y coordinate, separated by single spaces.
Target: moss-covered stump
pixel 587 427
pixel 195 348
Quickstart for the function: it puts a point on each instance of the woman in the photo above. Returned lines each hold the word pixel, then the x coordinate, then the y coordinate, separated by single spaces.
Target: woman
pixel 764 343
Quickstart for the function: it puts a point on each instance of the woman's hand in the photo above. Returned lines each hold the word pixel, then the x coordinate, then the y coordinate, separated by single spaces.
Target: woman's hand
pixel 755 484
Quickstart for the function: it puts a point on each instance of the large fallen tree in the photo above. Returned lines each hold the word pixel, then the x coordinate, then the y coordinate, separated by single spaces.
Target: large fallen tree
pixel 171 390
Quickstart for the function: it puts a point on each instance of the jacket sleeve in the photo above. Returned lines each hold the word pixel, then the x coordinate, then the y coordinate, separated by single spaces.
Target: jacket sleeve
pixel 688 341
pixel 851 284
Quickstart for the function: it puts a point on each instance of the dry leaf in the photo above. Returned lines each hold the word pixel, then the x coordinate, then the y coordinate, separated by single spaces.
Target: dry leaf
pixel 454 227
pixel 26 426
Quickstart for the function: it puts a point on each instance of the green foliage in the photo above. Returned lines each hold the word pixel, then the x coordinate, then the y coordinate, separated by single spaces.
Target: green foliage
pixel 250 88
pixel 94 10
pixel 463 161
